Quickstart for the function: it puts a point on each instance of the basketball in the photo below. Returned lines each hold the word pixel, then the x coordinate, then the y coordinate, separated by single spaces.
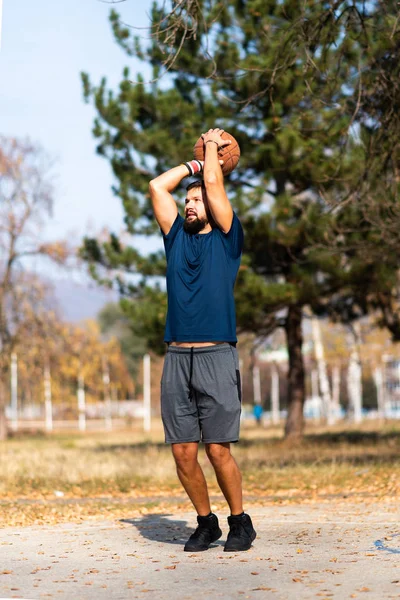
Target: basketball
pixel 230 153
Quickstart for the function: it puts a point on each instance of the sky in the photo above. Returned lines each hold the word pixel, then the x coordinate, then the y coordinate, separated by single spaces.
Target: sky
pixel 45 45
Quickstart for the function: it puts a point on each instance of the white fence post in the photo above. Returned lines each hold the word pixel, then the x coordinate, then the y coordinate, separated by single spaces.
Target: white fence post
pixel 336 389
pixel 354 375
pixel 48 408
pixel 380 391
pixel 81 403
pixel 322 372
pixel 107 399
pixel 274 394
pixel 256 385
pixel 14 391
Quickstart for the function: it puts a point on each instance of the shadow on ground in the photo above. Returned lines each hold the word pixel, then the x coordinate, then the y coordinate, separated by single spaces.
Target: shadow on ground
pixel 160 528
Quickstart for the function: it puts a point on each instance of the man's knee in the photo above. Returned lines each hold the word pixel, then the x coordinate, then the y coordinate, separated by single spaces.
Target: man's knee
pixel 218 453
pixel 185 455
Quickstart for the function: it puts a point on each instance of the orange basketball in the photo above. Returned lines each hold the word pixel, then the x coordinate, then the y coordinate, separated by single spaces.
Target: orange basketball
pixel 230 153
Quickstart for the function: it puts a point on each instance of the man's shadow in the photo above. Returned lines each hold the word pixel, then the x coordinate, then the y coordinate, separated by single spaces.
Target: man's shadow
pixel 159 528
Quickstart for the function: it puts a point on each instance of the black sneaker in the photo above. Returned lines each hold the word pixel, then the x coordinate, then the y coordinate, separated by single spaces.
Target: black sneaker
pixel 207 532
pixel 241 533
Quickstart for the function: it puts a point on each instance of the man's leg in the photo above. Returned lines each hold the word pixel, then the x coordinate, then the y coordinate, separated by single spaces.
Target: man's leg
pixel 241 531
pixel 191 476
pixel 193 480
pixel 228 475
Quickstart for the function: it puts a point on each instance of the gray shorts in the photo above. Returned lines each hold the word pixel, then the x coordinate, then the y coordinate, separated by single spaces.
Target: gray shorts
pixel 201 394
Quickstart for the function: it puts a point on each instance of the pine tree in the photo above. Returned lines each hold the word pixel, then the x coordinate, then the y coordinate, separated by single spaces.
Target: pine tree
pixel 282 78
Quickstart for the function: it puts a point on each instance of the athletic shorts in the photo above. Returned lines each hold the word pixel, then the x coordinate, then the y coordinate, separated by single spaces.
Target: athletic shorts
pixel 201 394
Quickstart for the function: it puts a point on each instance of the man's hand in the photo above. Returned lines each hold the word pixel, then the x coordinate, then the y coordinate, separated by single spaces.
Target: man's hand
pixel 215 135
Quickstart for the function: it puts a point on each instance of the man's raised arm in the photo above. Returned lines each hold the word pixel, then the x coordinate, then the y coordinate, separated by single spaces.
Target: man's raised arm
pixel 218 201
pixel 165 208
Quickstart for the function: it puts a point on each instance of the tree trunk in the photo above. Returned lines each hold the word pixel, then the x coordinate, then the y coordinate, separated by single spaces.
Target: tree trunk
pixel 296 380
pixel 3 420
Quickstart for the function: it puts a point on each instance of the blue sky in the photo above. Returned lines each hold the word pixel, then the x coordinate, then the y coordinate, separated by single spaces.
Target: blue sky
pixel 45 46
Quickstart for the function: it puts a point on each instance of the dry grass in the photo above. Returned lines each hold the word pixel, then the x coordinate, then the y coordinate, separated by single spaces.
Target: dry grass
pixel 100 474
pixel 80 466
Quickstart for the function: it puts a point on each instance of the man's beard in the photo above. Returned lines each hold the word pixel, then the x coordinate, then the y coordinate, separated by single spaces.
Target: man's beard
pixel 194 225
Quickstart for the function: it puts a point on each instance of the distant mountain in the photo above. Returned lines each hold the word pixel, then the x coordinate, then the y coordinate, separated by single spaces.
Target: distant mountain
pixel 78 302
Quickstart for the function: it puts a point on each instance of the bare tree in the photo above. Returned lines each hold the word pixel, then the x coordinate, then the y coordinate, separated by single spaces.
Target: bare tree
pixel 26 198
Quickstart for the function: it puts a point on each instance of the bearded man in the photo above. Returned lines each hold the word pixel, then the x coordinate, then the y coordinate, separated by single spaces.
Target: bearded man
pixel 200 385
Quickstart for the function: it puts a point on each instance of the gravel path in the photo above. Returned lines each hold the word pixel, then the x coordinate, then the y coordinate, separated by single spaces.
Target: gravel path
pixel 332 550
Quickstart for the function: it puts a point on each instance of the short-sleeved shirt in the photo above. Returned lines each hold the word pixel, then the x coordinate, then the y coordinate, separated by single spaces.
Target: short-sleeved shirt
pixel 201 274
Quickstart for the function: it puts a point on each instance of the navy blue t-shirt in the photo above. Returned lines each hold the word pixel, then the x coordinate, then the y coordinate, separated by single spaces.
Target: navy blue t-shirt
pixel 201 274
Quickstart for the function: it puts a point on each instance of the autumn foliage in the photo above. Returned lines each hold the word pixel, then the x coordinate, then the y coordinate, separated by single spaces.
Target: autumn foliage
pixel 71 351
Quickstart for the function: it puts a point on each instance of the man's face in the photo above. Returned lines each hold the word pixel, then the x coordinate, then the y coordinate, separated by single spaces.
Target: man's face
pixel 195 211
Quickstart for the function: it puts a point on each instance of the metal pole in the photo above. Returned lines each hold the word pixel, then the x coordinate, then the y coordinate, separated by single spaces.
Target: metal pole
pixel 146 393
pixel 48 408
pixel 14 391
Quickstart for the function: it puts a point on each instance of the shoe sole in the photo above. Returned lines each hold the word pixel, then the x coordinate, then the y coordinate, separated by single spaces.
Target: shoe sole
pixel 203 549
pixel 253 537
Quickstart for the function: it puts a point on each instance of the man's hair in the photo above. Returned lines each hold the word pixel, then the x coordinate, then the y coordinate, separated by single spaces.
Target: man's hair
pixel 199 183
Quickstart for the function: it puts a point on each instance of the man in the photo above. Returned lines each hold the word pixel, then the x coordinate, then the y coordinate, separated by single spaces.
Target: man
pixel 200 385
